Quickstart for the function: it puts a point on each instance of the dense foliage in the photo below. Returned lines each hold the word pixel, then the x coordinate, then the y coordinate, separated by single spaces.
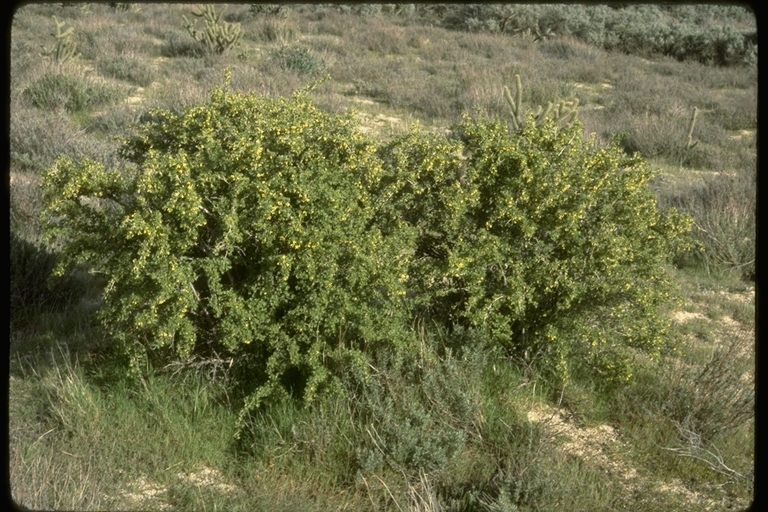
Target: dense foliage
pixel 552 248
pixel 244 228
pixel 711 34
pixel 268 230
pixel 722 35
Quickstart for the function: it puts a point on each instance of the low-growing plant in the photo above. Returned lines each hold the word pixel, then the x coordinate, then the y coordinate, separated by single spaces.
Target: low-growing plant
pixel 177 45
pixel 283 31
pixel 417 407
pixel 722 392
pixel 124 68
pixel 124 7
pixel 55 91
pixel 38 138
pixel 723 210
pixel 113 122
pixel 31 265
pixel 301 60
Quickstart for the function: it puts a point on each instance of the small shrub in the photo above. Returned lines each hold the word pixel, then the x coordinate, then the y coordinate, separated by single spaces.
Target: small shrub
pixel 301 60
pixel 123 68
pixel 416 410
pixel 384 40
pixel 179 46
pixel 723 213
pixel 723 397
pixel 56 91
pixel 38 137
pixel 103 94
pixel 280 31
pixel 114 122
pixel 559 48
pixel 413 411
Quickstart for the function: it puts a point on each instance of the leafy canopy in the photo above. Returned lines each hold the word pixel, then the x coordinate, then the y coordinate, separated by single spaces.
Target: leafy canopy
pixel 552 248
pixel 282 236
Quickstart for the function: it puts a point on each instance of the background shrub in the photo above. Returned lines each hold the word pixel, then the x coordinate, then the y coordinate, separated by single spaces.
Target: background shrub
pixel 124 68
pixel 55 91
pixel 723 211
pixel 300 60
pixel 646 30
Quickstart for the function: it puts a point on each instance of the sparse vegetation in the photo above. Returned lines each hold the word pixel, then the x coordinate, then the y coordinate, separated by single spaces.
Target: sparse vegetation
pixel 436 390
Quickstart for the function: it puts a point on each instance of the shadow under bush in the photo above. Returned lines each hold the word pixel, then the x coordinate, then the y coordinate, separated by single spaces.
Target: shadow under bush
pixel 31 266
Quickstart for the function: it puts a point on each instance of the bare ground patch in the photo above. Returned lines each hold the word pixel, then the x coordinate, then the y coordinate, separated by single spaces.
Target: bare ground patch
pixel 599 446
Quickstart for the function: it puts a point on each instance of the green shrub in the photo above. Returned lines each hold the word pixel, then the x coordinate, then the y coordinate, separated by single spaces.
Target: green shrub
pixel 244 228
pixel 544 243
pixel 300 60
pixel 281 236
